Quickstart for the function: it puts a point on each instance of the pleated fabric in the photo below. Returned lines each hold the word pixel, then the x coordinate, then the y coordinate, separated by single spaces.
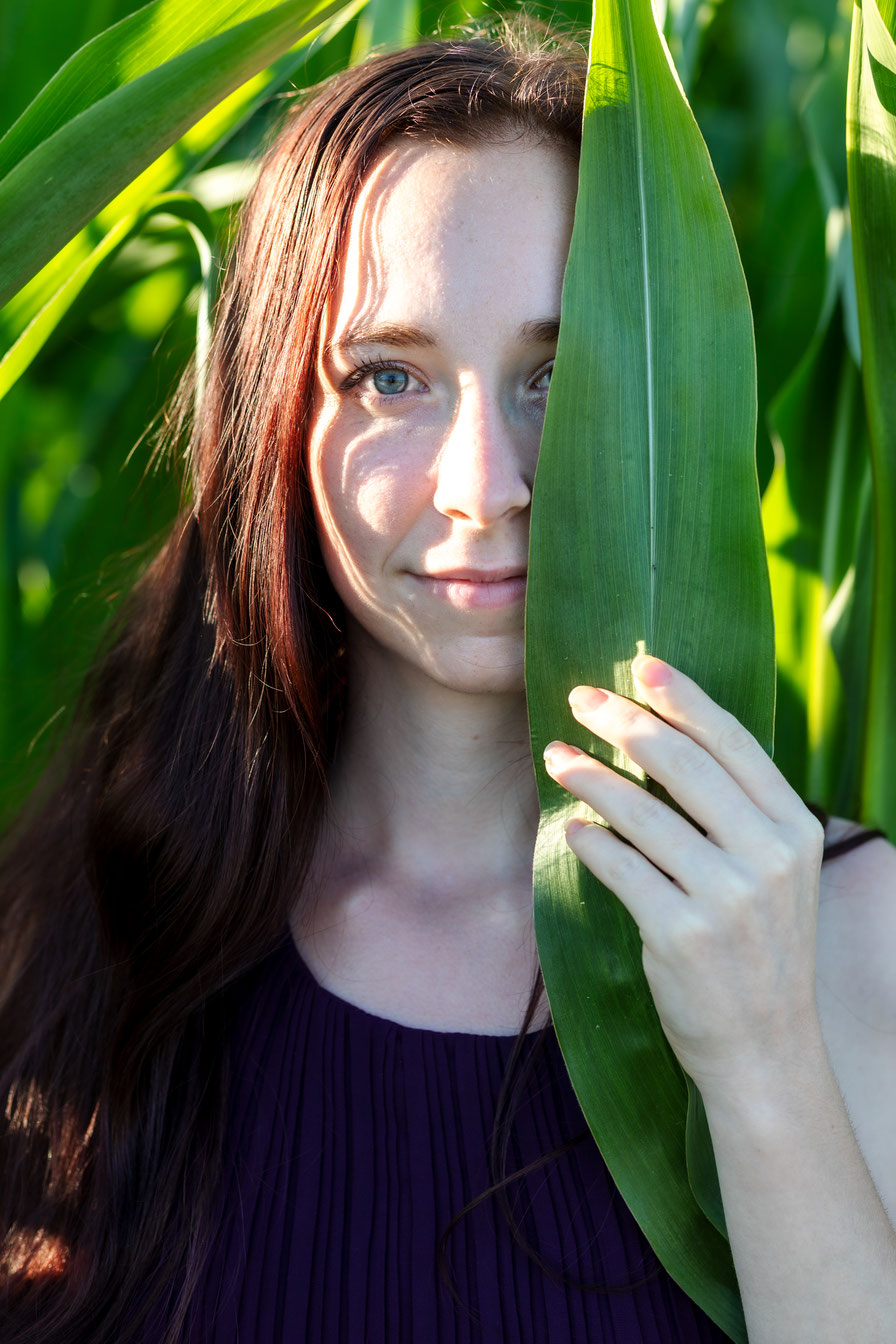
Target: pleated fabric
pixel 354 1141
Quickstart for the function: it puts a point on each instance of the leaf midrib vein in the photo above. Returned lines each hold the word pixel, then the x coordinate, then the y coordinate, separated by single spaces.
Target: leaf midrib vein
pixel 648 328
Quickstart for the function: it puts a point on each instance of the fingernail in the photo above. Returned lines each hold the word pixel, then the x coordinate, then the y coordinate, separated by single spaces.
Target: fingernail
pixel 575 824
pixel 586 698
pixel 558 754
pixel 651 671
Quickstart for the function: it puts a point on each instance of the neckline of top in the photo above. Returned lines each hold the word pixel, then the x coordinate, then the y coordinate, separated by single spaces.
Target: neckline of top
pixel 386 1023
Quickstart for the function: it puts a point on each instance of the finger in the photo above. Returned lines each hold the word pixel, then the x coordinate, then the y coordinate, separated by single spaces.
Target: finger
pixel 694 778
pixel 650 898
pixel 682 703
pixel 664 837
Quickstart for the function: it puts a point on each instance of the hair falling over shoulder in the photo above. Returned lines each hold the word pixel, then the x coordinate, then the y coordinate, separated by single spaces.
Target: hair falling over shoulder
pixel 158 861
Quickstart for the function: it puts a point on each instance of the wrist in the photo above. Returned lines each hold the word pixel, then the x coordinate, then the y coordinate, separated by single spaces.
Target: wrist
pixel 770 1093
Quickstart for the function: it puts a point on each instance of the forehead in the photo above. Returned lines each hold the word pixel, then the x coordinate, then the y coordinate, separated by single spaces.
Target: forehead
pixel 440 230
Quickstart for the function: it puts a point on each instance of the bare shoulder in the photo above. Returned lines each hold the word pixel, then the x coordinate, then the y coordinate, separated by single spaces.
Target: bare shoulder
pixel 857 926
pixel 857 995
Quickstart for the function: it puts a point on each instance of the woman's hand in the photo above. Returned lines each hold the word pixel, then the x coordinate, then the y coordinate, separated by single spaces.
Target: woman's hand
pixel 728 918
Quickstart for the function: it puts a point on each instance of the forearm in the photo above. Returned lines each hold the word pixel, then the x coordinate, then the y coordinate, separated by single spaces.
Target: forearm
pixel 727 910
pixel 814 1250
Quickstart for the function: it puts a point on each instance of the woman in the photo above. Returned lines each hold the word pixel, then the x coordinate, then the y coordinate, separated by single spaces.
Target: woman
pixel 270 929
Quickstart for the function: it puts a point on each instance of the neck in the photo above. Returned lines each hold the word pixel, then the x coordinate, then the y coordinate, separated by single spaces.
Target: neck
pixel 433 788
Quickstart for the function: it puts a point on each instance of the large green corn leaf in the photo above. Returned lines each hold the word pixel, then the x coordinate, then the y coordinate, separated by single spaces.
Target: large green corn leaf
pixel 80 143
pixel 645 535
pixel 871 161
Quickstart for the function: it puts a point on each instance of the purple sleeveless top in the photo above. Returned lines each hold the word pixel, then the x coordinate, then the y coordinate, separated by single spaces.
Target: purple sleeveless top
pixel 352 1143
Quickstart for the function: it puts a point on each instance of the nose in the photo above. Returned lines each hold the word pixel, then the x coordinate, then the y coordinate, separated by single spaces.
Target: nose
pixel 486 463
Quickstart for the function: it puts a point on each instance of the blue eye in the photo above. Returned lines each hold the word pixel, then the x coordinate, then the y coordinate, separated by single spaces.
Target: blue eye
pixel 542 382
pixel 372 378
pixel 390 382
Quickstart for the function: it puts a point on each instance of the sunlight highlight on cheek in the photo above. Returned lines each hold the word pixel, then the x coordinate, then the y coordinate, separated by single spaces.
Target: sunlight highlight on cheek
pixel 377 499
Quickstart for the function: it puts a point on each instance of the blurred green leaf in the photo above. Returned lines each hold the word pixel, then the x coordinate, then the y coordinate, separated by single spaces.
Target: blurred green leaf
pixel 386 25
pixel 871 162
pixel 686 24
pixel 848 627
pixel 75 501
pixel 442 17
pixel 62 181
pixel 40 304
pixel 749 86
pixel 36 39
pixel 810 512
pixel 136 46
pixel 178 204
pixel 810 507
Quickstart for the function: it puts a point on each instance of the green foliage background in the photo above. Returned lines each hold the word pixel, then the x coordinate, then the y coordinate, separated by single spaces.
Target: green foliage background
pixel 798 110
pixel 84 501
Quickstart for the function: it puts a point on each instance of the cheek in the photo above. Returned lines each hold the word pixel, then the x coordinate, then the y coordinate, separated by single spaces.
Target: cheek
pixel 380 499
pixel 365 506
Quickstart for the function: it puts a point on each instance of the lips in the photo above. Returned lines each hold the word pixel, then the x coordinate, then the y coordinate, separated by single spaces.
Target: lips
pixel 469 589
pixel 464 575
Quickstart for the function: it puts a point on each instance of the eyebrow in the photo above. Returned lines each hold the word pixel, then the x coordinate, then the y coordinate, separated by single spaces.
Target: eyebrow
pixel 541 331
pixel 387 333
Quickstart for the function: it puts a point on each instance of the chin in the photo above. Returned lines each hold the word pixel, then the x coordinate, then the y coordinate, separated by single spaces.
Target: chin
pixel 470 666
pixel 491 675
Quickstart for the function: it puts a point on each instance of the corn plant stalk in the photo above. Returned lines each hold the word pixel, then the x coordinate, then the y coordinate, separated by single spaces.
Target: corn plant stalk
pixel 871 165
pixel 645 535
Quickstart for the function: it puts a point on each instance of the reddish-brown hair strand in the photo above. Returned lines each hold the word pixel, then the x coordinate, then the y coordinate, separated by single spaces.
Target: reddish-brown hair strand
pixel 158 861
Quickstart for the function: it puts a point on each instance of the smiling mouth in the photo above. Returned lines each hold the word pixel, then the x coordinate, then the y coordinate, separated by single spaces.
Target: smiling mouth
pixel 477 589
pixel 478 575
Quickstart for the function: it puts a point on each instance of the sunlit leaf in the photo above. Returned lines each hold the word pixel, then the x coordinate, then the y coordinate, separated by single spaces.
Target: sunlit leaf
pixel 30 316
pixel 62 181
pixel 178 204
pixel 135 46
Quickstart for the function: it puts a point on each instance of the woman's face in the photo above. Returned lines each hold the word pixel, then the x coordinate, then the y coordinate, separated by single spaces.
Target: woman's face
pixel 431 392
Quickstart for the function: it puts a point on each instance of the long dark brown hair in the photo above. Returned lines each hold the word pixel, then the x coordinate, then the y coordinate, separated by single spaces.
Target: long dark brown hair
pixel 157 863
